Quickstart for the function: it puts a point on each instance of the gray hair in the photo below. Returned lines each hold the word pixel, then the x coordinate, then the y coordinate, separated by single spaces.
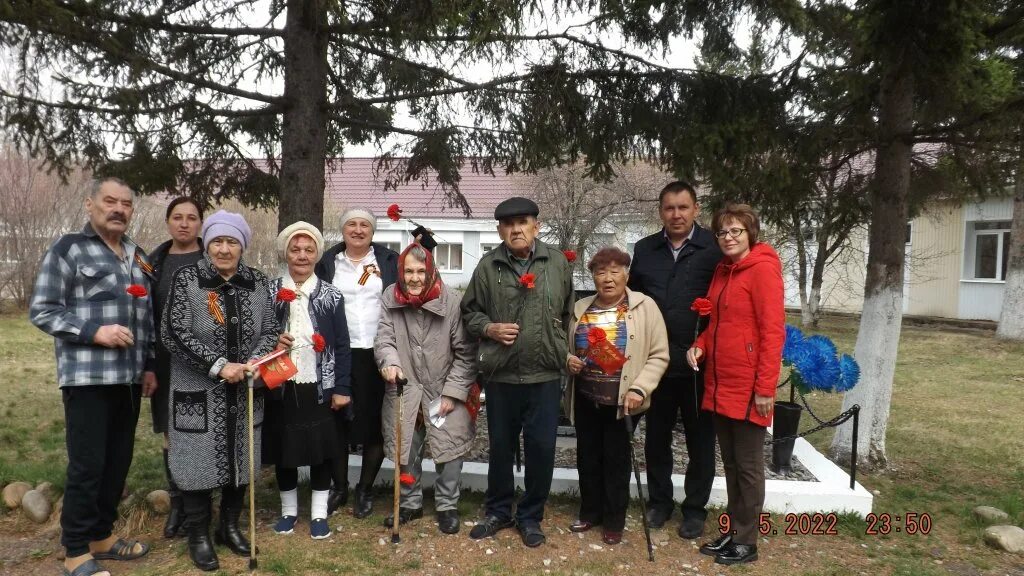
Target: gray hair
pixel 418 252
pixel 97 183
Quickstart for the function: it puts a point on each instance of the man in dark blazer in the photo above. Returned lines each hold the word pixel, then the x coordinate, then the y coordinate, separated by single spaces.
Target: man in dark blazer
pixel 674 266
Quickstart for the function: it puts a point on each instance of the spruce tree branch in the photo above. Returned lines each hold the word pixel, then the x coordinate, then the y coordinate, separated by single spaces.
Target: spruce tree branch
pixel 115 111
pixel 110 48
pixel 88 10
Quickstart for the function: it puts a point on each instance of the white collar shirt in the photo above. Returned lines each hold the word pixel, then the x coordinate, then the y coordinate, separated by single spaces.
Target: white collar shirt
pixel 361 284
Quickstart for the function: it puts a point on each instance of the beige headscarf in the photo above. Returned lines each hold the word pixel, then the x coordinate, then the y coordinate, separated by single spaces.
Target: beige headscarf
pixel 298 229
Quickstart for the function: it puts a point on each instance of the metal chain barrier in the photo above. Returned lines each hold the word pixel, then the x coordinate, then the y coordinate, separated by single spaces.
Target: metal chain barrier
pixel 853 412
pixel 838 420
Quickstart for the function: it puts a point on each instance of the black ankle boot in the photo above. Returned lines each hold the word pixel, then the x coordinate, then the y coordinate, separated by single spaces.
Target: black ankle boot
pixel 227 533
pixel 363 505
pixel 176 515
pixel 197 525
pixel 337 499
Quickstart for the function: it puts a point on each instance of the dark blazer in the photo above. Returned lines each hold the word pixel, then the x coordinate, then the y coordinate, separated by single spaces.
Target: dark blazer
pixel 387 260
pixel 674 284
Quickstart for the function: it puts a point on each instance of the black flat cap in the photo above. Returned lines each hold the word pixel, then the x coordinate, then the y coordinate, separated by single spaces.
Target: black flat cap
pixel 516 206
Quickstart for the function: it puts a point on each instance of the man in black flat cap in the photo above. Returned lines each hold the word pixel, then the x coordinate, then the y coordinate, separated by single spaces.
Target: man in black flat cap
pixel 518 304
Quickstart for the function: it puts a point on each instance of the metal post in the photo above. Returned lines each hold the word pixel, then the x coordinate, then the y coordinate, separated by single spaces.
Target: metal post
pixel 853 450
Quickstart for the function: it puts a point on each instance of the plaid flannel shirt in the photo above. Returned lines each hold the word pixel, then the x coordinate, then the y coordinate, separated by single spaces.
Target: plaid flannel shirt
pixel 82 285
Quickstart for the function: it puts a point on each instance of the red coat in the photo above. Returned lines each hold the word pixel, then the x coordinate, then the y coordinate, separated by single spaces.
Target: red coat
pixel 743 343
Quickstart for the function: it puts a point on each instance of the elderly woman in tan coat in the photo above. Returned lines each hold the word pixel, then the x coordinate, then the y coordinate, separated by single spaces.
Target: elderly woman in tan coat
pixel 621 349
pixel 421 338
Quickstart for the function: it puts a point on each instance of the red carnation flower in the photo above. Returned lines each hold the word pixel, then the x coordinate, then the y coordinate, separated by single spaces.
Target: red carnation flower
pixel 528 280
pixel 319 344
pixel 285 295
pixel 570 255
pixel 137 290
pixel 394 212
pixel 701 306
pixel 595 335
pixel 406 479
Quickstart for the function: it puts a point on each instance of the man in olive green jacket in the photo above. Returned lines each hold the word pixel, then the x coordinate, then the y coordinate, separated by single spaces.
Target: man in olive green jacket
pixel 518 304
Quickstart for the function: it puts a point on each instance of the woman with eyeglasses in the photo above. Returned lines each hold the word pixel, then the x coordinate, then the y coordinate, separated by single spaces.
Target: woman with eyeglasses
pixel 742 355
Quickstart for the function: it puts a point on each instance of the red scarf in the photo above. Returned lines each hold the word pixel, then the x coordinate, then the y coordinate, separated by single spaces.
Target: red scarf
pixel 433 281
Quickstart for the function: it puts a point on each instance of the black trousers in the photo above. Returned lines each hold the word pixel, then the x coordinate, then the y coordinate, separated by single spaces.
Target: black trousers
pixel 602 458
pixel 532 409
pixel 672 397
pixel 742 446
pixel 100 436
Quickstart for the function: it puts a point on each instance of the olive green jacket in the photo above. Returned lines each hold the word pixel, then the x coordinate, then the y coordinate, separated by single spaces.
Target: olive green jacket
pixel 495 294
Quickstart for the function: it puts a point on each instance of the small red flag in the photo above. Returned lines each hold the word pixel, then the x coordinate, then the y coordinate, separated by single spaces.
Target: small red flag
pixel 277 371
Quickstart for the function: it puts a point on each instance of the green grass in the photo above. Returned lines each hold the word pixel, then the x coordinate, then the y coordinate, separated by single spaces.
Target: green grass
pixel 954 442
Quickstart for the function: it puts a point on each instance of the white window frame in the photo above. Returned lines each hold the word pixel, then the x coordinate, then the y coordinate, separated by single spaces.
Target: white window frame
pixel 395 245
pixel 486 247
pixel 971 251
pixel 447 247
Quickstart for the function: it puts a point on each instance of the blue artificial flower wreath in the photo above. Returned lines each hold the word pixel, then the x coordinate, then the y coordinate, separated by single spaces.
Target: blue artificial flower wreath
pixel 816 364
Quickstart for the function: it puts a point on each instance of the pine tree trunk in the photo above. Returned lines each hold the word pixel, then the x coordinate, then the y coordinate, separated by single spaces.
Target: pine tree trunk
pixel 304 128
pixel 878 338
pixel 1011 318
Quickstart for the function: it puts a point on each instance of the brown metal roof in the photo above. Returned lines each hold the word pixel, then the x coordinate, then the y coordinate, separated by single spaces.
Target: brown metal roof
pixel 355 182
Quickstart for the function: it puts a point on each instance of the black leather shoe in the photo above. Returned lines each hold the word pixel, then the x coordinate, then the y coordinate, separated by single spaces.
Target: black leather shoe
pixel 532 535
pixel 656 518
pixel 691 528
pixel 337 499
pixel 200 549
pixel 489 526
pixel 229 535
pixel 714 547
pixel 448 521
pixel 737 554
pixel 175 518
pixel 581 526
pixel 404 516
pixel 363 505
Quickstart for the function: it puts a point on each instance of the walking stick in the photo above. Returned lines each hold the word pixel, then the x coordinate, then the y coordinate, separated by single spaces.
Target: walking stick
pixel 639 487
pixel 399 419
pixel 252 482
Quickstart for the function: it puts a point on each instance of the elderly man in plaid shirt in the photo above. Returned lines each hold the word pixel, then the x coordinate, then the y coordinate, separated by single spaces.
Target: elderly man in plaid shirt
pixel 104 342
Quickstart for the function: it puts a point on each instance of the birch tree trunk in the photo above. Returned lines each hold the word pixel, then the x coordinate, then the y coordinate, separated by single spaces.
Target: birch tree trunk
pixel 878 338
pixel 1011 317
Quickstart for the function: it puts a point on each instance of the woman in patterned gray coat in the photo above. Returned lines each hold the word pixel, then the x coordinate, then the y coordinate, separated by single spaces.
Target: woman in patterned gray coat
pixel 219 315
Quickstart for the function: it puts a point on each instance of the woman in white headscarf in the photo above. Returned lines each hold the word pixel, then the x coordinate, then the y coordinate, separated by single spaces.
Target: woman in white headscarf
pixel 300 429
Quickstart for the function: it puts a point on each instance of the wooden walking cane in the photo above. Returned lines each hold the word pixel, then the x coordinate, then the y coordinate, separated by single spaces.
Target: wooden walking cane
pixel 399 418
pixel 639 487
pixel 252 481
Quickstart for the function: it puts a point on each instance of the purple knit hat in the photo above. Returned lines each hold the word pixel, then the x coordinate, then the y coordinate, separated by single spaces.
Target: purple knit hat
pixel 224 223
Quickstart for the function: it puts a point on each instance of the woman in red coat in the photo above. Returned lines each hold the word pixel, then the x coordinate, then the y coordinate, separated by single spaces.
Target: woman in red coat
pixel 742 355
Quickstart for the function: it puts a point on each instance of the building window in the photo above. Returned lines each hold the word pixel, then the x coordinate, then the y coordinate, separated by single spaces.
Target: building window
pixel 396 246
pixel 485 248
pixel 989 250
pixel 448 257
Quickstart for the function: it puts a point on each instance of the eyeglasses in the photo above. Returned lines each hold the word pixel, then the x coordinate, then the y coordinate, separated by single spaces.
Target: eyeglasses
pixel 734 232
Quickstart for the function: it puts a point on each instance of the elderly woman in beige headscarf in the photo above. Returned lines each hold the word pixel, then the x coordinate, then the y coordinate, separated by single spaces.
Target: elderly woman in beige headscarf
pixel 300 428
